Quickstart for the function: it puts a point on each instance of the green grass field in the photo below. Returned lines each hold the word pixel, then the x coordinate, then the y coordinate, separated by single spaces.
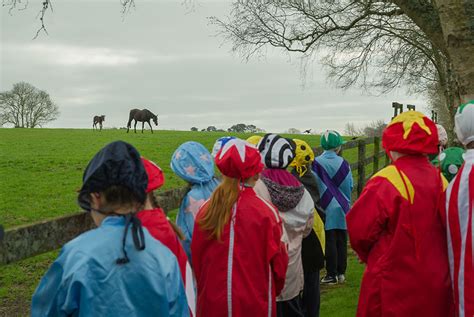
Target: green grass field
pixel 41 171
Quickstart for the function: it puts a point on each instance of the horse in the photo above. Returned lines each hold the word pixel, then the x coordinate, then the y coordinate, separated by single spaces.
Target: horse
pixel 99 120
pixel 143 116
pixel 307 131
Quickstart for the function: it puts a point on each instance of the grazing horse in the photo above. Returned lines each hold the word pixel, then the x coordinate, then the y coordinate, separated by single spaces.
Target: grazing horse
pixel 99 120
pixel 143 116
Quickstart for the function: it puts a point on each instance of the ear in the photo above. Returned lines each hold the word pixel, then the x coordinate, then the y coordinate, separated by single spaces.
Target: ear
pixel 96 200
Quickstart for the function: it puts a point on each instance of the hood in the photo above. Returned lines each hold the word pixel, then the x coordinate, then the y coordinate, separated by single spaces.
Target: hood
pixel 411 132
pixel 118 163
pixel 285 190
pixel 192 162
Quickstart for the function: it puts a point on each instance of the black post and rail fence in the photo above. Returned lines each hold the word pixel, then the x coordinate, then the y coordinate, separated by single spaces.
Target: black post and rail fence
pixel 33 239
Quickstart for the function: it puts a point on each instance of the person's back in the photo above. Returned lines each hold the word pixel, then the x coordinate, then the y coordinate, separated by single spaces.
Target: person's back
pixel 339 172
pixel 238 257
pixel 117 269
pixel 459 216
pixel 86 281
pixel 334 179
pixel 396 228
pixel 415 241
pixel 193 163
pixel 253 249
pixel 296 209
pixel 153 218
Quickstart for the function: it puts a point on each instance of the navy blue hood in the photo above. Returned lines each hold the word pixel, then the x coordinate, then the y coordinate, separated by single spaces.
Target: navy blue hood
pixel 118 163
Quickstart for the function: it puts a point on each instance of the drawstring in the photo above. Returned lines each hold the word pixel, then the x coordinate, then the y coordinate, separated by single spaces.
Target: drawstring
pixel 138 236
pixel 137 233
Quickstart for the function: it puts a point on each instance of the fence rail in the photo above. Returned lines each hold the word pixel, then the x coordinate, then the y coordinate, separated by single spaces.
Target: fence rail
pixel 29 240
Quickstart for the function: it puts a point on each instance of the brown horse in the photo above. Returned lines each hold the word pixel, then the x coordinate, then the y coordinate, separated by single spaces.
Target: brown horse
pixel 99 120
pixel 143 116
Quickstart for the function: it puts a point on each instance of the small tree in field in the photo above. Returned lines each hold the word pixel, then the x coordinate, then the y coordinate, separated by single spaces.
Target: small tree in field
pixel 194 129
pixel 25 106
pixel 293 131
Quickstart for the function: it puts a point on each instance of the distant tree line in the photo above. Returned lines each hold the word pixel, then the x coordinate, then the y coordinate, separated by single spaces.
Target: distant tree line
pixel 238 128
pixel 373 129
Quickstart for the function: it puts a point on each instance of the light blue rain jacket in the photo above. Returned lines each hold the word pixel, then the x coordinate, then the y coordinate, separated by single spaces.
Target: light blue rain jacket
pixel 340 181
pixel 192 162
pixel 86 281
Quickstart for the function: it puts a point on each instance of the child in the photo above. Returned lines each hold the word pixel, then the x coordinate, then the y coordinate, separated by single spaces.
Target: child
pixel 296 209
pixel 450 161
pixel 460 217
pixel 312 250
pixel 117 269
pixel 192 162
pixel 334 178
pixel 396 229
pixel 238 257
pixel 443 142
pixel 154 219
pixel 254 139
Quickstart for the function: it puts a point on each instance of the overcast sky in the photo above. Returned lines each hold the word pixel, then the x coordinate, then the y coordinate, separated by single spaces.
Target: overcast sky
pixel 167 59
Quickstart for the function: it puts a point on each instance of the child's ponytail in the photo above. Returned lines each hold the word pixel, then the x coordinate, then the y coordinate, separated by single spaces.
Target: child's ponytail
pixel 218 210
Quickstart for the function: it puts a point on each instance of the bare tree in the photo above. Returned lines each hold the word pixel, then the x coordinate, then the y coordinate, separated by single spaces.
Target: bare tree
pixel 351 130
pixel 25 106
pixel 374 129
pixel 376 44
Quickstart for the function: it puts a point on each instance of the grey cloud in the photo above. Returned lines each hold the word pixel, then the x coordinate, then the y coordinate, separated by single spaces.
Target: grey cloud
pixel 165 58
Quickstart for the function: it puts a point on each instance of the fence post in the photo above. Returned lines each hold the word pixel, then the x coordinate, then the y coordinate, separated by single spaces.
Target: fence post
pixel 361 167
pixel 387 160
pixel 376 155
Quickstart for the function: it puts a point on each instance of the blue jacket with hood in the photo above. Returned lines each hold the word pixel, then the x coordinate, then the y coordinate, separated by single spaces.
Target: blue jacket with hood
pixel 113 270
pixel 193 163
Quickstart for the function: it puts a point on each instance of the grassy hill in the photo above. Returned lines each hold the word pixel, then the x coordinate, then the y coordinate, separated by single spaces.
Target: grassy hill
pixel 41 171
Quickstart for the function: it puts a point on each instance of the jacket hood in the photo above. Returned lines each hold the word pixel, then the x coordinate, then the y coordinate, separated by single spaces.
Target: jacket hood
pixel 118 163
pixel 285 190
pixel 192 162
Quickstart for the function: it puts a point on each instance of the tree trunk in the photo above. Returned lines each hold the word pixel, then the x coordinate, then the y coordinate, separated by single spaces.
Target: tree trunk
pixel 457 22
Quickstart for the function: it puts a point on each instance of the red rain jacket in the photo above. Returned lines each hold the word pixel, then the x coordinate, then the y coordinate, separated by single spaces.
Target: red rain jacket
pixel 396 228
pixel 242 274
pixel 157 224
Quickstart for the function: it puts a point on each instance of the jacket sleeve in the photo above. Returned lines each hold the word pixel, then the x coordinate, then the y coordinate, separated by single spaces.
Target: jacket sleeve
pixel 367 219
pixel 178 305
pixel 279 257
pixel 59 292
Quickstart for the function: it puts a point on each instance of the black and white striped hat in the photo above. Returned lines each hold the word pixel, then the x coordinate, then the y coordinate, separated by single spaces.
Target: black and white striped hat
pixel 277 152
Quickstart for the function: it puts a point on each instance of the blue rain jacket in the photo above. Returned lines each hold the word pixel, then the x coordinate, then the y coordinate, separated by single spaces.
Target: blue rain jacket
pixel 86 281
pixel 192 162
pixel 335 188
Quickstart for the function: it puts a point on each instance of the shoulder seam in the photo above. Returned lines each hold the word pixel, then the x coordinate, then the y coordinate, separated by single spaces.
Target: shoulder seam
pixel 275 212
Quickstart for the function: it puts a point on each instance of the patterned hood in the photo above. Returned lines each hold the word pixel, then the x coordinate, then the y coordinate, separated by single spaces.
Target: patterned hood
pixel 192 162
pixel 285 190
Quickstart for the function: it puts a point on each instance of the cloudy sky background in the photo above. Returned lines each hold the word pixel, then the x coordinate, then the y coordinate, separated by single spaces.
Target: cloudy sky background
pixel 165 57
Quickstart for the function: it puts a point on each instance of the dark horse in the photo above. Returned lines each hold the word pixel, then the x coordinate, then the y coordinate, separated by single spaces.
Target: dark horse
pixel 143 116
pixel 99 120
